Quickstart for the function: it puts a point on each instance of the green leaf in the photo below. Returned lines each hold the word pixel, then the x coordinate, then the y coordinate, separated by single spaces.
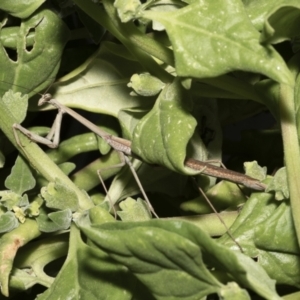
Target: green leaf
pixel 169 5
pixel 25 72
pixel 85 270
pixel 61 218
pixel 133 210
pixel 128 119
pixel 102 82
pixel 277 233
pixel 222 196
pixel 151 256
pixel 99 215
pixel 223 40
pixel 127 9
pixel 253 169
pixel 179 251
pixel 8 222
pixel 258 10
pixel 45 224
pixel 21 9
pixel 259 207
pixel 10 199
pixel 233 292
pixel 59 196
pixel 161 137
pixel 20 179
pixel 282 23
pixel 33 210
pixel 279 184
pixel 283 267
pixel 145 85
pixel 19 213
pixel 16 104
pixel 265 231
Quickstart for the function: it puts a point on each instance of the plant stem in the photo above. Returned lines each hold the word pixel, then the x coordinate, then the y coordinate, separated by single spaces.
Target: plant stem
pixel 37 157
pixel 87 178
pixel 291 150
pixel 10 242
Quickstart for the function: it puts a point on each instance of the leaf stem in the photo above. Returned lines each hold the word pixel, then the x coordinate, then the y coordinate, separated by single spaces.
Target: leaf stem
pixel 291 149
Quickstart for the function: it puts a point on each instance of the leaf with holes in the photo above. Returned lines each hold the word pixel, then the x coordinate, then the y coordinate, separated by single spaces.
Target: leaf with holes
pixel 23 72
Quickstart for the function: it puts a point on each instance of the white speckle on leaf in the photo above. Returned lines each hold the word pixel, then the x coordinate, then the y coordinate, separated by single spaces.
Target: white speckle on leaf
pixel 179 49
pixel 196 65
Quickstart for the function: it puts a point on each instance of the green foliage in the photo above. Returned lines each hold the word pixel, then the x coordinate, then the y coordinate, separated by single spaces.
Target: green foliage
pixel 20 179
pixel 168 126
pixel 8 222
pixel 134 210
pixel 148 250
pixel 167 75
pixel 145 85
pixel 53 194
pixel 50 37
pixel 219 45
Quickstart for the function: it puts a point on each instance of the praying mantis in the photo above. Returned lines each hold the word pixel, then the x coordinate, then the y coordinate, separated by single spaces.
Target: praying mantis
pixel 123 146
